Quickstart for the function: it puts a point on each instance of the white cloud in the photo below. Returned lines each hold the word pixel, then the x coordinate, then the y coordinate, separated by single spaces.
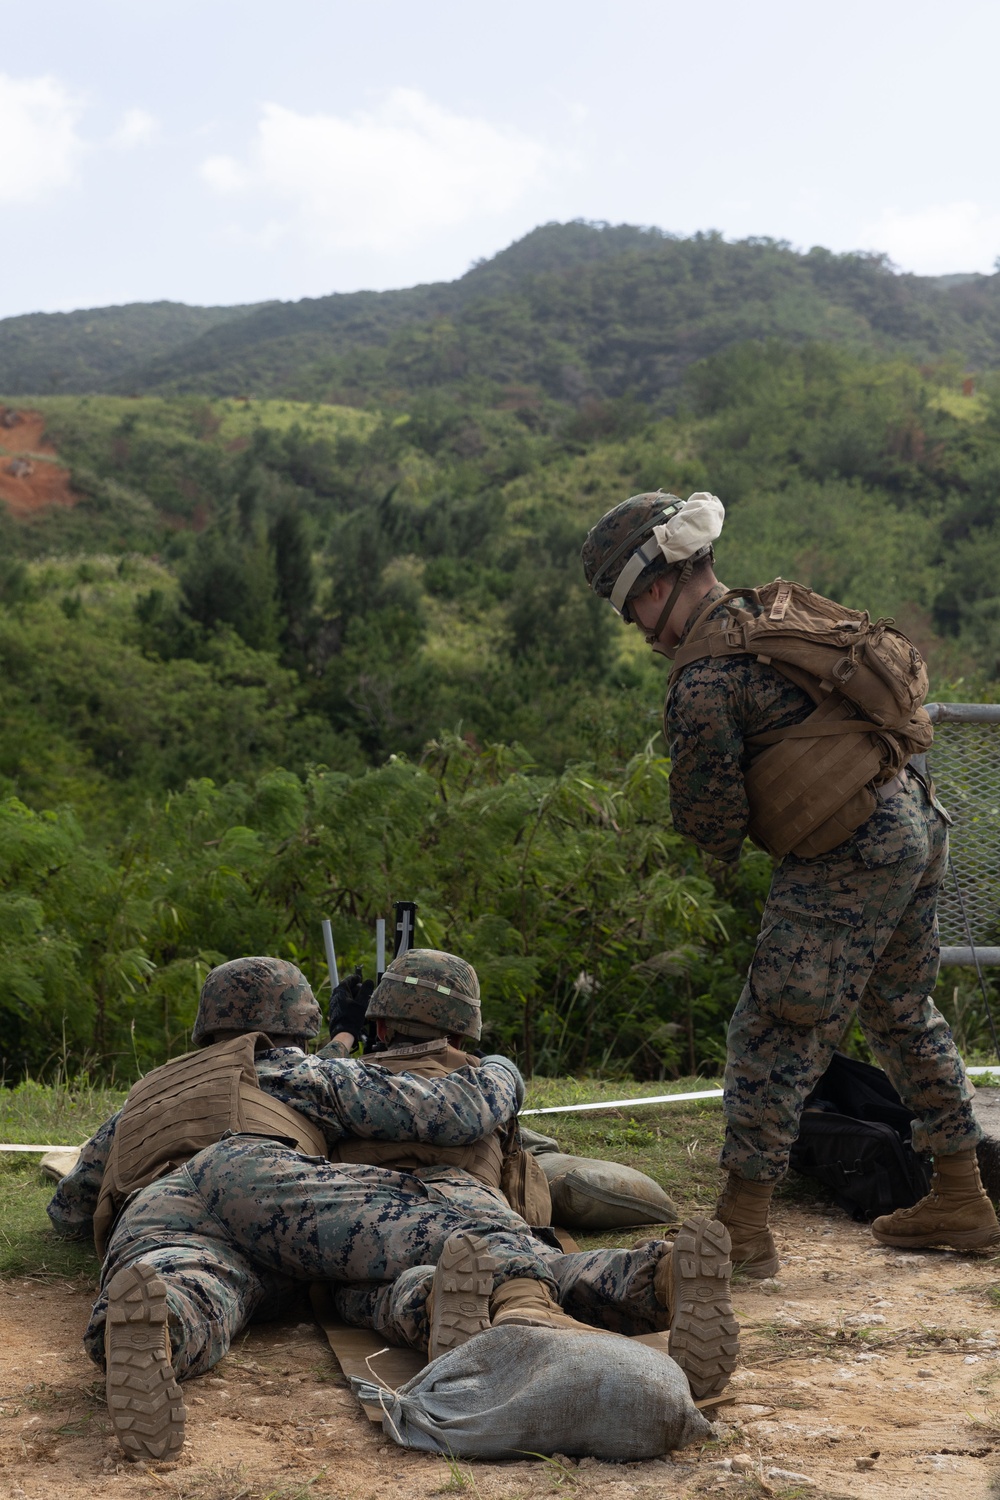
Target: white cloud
pixel 379 180
pixel 136 129
pixel 38 119
pixel 939 239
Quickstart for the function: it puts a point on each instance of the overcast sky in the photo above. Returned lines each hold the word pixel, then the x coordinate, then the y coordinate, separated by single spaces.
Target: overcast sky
pixel 221 151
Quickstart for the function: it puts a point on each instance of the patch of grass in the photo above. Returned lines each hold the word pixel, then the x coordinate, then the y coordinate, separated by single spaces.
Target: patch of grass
pixel 64 1114
pixel 28 1244
pixel 675 1144
pixel 57 1115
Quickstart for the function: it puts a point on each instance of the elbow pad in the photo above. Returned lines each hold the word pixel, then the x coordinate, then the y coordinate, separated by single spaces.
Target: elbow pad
pixel 512 1069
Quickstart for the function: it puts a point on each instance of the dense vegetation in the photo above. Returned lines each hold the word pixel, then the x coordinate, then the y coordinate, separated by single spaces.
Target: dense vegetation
pixel 87 351
pixel 286 660
pixel 571 310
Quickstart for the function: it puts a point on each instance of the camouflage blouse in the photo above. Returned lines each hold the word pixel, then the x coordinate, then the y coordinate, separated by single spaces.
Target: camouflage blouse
pixel 342 1098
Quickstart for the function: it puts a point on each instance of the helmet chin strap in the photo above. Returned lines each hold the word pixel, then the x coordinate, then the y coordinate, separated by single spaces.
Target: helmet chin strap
pixel 653 636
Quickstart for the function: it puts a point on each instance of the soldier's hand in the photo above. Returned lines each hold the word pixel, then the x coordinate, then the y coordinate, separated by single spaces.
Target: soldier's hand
pixel 348 1004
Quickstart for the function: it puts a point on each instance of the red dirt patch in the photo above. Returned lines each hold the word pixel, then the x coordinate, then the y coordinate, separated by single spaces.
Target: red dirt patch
pixel 31 477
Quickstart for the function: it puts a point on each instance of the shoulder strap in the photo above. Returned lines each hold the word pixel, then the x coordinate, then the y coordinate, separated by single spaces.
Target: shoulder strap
pixel 724 638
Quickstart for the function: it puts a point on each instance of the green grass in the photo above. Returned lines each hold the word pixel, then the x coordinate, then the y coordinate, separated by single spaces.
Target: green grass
pixel 60 1116
pixel 676 1144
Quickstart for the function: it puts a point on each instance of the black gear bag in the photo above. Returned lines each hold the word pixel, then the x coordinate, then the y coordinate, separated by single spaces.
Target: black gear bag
pixel 854 1138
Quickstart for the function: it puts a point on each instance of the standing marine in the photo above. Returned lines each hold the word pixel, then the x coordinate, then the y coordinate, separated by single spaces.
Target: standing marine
pixel 850 922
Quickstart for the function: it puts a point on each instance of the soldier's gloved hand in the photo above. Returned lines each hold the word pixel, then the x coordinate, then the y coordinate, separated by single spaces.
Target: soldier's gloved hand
pixel 512 1068
pixel 348 1004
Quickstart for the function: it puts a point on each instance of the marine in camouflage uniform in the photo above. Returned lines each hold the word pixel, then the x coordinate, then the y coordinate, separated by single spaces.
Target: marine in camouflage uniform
pixel 683 1287
pixel 851 930
pixel 233 1232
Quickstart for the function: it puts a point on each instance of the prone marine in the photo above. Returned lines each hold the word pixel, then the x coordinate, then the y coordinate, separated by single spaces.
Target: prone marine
pixel 236 1174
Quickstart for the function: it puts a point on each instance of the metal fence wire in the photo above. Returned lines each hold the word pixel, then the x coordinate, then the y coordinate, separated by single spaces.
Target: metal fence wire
pixel 965 764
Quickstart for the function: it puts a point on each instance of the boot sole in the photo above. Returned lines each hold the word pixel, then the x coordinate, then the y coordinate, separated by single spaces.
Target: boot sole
pixel 144 1400
pixel 704 1334
pixel 965 1239
pixel 463 1285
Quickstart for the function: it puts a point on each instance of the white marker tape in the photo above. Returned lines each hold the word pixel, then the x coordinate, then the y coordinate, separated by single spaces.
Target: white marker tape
pixel 39 1148
pixel 565 1109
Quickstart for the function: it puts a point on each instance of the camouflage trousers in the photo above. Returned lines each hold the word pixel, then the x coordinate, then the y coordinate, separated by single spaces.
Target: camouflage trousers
pixel 241 1227
pixel 853 930
pixel 610 1289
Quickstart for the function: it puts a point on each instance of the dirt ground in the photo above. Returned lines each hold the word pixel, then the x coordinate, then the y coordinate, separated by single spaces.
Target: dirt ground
pixel 48 482
pixel 865 1373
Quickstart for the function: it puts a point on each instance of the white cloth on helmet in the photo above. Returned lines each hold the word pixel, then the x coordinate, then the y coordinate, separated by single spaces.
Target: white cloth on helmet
pixel 697 524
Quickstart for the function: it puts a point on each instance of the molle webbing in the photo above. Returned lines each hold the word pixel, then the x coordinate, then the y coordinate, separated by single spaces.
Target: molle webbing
pixel 815 782
pixel 179 1109
pixel 433 1059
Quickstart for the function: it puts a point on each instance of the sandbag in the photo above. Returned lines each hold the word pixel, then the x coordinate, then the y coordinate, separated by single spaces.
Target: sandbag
pixel 591 1194
pixel 60 1161
pixel 518 1391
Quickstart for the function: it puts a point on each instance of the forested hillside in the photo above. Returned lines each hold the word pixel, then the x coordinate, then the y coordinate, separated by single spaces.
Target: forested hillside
pixel 282 660
pixel 91 350
pixel 571 311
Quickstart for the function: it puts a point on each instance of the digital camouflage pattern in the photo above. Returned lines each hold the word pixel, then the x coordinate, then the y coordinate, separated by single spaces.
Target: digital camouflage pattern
pixel 343 1098
pixel 243 1225
pixel 853 928
pixel 611 542
pixel 256 994
pixel 610 1289
pixel 856 927
pixel 432 990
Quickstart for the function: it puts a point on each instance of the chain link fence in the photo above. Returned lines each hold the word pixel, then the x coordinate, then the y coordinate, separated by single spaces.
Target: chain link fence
pixel 965 764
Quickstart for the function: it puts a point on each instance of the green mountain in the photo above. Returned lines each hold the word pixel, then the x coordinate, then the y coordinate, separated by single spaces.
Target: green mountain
pixel 570 312
pixel 92 349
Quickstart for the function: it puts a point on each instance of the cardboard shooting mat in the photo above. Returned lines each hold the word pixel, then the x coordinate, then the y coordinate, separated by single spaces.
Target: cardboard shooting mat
pixel 360 1352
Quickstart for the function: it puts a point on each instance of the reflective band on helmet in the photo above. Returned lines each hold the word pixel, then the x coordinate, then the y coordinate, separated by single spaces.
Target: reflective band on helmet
pixel 442 989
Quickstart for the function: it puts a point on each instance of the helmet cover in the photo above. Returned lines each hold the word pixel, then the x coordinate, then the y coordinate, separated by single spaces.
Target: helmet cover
pixel 613 540
pixel 256 994
pixel 429 992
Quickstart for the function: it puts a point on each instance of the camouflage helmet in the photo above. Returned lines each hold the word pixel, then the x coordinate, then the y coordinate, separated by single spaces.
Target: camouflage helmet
pixel 256 994
pixel 616 539
pixel 431 993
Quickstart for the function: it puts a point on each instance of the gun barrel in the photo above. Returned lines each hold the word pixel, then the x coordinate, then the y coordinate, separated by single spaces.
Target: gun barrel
pixel 379 948
pixel 331 957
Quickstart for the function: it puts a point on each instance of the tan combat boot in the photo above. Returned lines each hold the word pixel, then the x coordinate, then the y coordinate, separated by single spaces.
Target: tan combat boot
pixel 531 1304
pixel 743 1209
pixel 956 1213
pixel 144 1400
pixel 458 1304
pixel 692 1283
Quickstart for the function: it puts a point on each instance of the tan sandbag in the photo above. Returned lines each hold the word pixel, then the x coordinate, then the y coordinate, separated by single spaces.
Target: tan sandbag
pixel 591 1194
pixel 60 1161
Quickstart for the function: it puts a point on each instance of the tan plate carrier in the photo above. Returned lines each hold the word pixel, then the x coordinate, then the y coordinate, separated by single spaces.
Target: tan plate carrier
pixel 814 783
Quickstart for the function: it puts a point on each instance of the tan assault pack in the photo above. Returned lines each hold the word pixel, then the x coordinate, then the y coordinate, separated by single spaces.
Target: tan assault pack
pixel 814 783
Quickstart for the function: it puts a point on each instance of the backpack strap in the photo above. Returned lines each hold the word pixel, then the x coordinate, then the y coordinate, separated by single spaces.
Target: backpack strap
pixel 721 639
pixel 807 730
